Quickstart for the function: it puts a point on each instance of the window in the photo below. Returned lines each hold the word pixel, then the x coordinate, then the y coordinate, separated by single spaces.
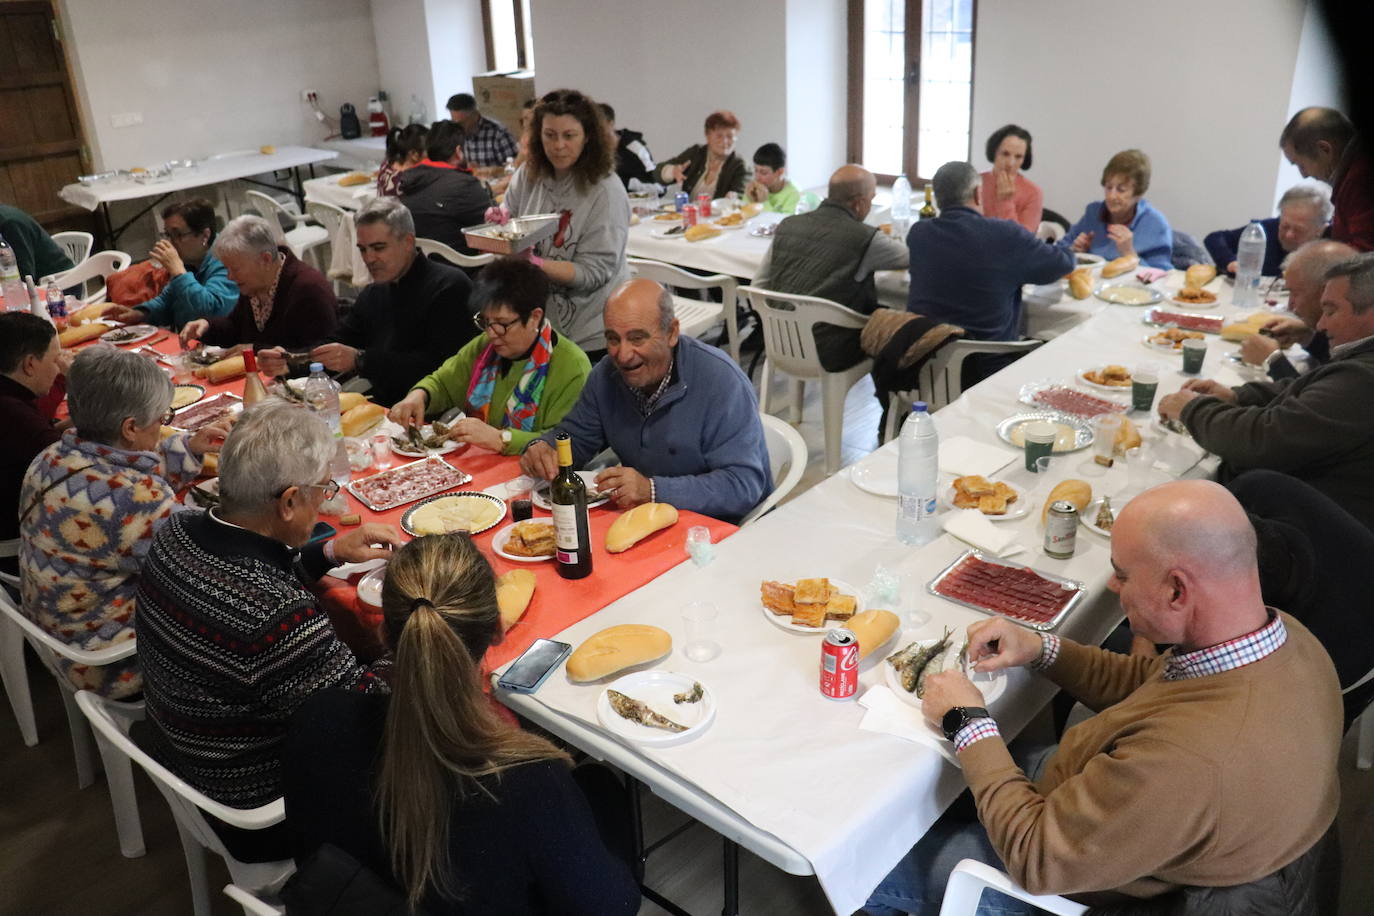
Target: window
pixel 509 42
pixel 911 84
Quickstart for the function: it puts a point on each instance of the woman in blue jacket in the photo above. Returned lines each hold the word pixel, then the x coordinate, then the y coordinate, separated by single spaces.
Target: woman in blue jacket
pixel 1123 223
pixel 200 286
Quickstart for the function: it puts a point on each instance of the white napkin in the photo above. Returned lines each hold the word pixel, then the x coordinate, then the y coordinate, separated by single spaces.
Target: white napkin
pixel 961 456
pixel 348 569
pixel 888 714
pixel 971 526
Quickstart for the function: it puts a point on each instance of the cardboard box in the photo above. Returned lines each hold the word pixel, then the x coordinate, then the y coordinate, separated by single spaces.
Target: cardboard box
pixel 501 95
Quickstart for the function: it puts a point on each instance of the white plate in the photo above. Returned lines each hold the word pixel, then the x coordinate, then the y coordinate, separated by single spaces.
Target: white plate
pixel 1200 306
pixel 668 233
pixel 656 688
pixel 370 587
pixel 734 228
pixel 1146 295
pixel 1161 348
pixel 764 231
pixel 1018 509
pixel 450 445
pixel 1082 430
pixel 498 542
pixel 540 495
pixel 141 332
pixel 676 218
pixel 1082 377
pixel 785 623
pixel 877 474
pixel 991 685
pixel 1164 429
pixel 1088 519
pixel 207 486
pixel 1087 259
pixel 463 495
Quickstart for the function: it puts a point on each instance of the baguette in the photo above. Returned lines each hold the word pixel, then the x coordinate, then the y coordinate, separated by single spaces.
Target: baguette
pixel 617 648
pixel 350 399
pixel 1081 283
pixel 513 593
pixel 873 629
pixel 1119 266
pixel 1077 492
pixel 360 419
pixel 73 336
pixel 1198 275
pixel 700 231
pixel 88 313
pixel 637 524
pixel 224 370
pixel 210 467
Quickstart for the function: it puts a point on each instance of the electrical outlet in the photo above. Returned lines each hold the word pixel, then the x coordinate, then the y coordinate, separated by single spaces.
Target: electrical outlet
pixel 309 96
pixel 128 119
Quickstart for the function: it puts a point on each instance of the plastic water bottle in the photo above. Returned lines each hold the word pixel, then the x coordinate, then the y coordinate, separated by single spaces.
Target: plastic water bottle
pixel 11 284
pixel 57 305
pixel 322 395
pixel 901 206
pixel 1249 262
pixel 918 471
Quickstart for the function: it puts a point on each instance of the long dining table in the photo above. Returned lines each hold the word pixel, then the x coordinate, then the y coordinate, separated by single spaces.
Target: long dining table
pixel 791 775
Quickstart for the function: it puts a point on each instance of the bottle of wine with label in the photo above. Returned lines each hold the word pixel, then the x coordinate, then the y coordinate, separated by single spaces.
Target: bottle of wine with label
pixel 568 498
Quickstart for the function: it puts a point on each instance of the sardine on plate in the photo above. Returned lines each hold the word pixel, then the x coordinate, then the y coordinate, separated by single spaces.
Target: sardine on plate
pixel 638 711
pixel 690 696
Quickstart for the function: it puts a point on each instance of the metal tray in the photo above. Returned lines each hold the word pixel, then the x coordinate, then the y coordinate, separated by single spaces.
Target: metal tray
pixel 1078 587
pixel 1029 390
pixel 352 486
pixel 1083 431
pixel 533 230
pixel 1151 319
pixel 1154 296
pixel 466 494
pixel 205 404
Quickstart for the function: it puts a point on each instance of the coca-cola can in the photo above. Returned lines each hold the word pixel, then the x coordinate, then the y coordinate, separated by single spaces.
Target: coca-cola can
pixel 840 664
pixel 704 205
pixel 689 215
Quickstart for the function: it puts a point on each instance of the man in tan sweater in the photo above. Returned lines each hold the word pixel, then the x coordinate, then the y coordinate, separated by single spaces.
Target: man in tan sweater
pixel 1213 765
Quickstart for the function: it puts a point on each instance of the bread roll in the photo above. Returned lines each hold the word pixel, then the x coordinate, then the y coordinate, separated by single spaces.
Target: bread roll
pixel 1239 331
pixel 873 629
pixel 224 370
pixel 88 313
pixel 513 593
pixel 360 419
pixel 1081 283
pixel 73 336
pixel 1077 492
pixel 700 231
pixel 350 399
pixel 1127 436
pixel 617 648
pixel 211 465
pixel 1198 276
pixel 637 524
pixel 1120 266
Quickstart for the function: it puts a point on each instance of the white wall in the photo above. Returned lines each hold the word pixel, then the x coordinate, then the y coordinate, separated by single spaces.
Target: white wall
pixel 1316 81
pixel 457 49
pixel 817 71
pixel 208 76
pixel 403 61
pixel 1202 87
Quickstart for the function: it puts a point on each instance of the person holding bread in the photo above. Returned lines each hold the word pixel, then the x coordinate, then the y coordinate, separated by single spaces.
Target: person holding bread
pixel 1303 272
pixel 1124 224
pixel 481 817
pixel 680 415
pixel 515 381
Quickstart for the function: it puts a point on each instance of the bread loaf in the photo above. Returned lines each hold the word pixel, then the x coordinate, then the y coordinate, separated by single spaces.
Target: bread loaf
pixel 73 336
pixel 1198 275
pixel 700 231
pixel 873 629
pixel 1077 492
pixel 88 313
pixel 617 648
pixel 211 465
pixel 360 419
pixel 513 593
pixel 1119 266
pixel 1081 283
pixel 637 524
pixel 1127 437
pixel 224 370
pixel 350 399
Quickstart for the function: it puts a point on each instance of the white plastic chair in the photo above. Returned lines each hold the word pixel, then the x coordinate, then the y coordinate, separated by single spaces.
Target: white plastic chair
pixel 970 878
pixel 787 457
pixel 941 378
pixel 252 905
pixel 300 239
pixel 14 629
pixel 456 258
pixel 77 245
pixel 332 218
pixel 790 347
pixel 96 267
pixel 694 316
pixel 187 805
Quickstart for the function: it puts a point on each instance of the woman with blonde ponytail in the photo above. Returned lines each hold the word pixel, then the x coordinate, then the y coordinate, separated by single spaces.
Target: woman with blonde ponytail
pixel 430 788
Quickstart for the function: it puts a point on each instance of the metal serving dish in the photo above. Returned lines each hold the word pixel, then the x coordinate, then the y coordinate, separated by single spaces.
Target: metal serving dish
pixel 515 236
pixel 1078 588
pixel 1083 431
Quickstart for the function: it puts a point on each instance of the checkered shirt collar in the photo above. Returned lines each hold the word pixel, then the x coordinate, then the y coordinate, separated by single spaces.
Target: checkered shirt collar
pixel 1226 656
pixel 646 402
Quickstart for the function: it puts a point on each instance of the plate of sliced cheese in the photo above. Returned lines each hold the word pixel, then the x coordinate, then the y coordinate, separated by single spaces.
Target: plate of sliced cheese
pixel 471 512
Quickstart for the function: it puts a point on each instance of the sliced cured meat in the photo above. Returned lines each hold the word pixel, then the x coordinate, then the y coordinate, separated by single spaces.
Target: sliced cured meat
pixel 1012 591
pixel 407 483
pixel 1209 323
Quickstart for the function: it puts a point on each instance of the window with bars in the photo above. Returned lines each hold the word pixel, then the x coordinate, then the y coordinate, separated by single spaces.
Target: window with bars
pixel 510 45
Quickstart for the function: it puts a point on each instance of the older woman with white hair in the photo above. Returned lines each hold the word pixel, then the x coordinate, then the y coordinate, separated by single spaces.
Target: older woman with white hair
pixel 283 302
pixel 92 501
pixel 231 639
pixel 1304 211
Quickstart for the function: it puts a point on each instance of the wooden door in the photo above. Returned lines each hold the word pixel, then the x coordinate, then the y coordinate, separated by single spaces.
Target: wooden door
pixel 41 143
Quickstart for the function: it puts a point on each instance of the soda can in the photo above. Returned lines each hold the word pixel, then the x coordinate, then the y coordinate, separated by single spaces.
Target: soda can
pixel 689 215
pixel 682 199
pixel 840 664
pixel 704 205
pixel 1061 530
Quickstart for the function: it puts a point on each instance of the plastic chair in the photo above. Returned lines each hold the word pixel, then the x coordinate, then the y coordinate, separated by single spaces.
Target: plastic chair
pixel 14 629
pixel 694 316
pixel 300 239
pixel 188 808
pixel 1050 232
pixel 77 245
pixel 96 267
pixel 789 347
pixel 941 378
pixel 787 457
pixel 456 258
pixel 332 218
pixel 252 905
pixel 970 878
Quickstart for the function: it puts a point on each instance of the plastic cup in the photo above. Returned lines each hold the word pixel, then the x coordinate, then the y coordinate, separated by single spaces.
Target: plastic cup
pixel 1144 384
pixel 699 545
pixel 1140 461
pixel 1105 430
pixel 699 621
pixel 381 451
pixel 1039 438
pixel 1194 351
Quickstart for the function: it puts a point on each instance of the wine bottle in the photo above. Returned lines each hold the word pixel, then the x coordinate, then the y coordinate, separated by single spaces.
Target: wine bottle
pixel 568 498
pixel 253 390
pixel 928 208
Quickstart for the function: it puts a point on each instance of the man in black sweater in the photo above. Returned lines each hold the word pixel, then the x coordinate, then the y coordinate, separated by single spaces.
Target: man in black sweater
pixel 412 317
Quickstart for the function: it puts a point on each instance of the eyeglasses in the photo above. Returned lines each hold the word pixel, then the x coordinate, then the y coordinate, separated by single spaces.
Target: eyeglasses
pixel 330 488
pixel 497 327
pixel 175 235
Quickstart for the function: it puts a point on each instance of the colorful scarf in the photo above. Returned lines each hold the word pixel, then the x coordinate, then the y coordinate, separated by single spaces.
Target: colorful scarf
pixel 523 403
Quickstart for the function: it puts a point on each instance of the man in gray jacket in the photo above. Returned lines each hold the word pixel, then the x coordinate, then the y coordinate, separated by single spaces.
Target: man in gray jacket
pixel 1315 427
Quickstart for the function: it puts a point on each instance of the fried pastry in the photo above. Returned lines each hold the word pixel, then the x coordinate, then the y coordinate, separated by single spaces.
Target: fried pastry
pixel 811 591
pixel 840 607
pixel 992 505
pixel 777 598
pixel 809 615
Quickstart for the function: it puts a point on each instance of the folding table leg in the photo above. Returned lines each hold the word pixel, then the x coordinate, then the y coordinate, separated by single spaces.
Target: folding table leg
pixel 730 878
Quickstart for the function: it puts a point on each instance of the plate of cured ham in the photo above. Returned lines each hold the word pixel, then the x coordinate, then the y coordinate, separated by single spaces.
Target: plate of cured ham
pixel 1031 598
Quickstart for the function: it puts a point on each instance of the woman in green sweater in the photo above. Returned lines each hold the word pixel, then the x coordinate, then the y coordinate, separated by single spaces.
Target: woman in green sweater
pixel 515 381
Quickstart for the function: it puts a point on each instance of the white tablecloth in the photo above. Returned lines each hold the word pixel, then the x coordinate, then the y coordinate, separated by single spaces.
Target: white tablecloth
pixel 361 153
pixel 327 190
pixel 207 172
pixel 785 759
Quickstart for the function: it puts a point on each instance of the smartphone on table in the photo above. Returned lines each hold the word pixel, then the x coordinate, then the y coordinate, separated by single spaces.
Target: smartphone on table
pixel 533 667
pixel 322 531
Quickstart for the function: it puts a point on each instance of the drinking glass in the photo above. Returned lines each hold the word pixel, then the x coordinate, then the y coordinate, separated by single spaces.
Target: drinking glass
pixel 521 504
pixel 699 545
pixel 1140 461
pixel 699 621
pixel 1144 383
pixel 381 451
pixel 1105 430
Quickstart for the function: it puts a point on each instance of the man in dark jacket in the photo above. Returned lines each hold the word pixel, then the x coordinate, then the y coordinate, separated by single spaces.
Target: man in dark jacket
pixel 1316 426
pixel 633 161
pixel 1303 272
pixel 412 317
pixel 442 194
pixel 1303 214
pixel 38 255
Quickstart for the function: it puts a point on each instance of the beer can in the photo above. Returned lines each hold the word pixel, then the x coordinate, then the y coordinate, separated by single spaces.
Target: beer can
pixel 704 205
pixel 1061 530
pixel 840 664
pixel 681 200
pixel 689 215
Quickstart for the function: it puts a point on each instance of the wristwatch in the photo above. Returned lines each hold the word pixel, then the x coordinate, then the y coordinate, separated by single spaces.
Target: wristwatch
pixel 505 437
pixel 960 716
